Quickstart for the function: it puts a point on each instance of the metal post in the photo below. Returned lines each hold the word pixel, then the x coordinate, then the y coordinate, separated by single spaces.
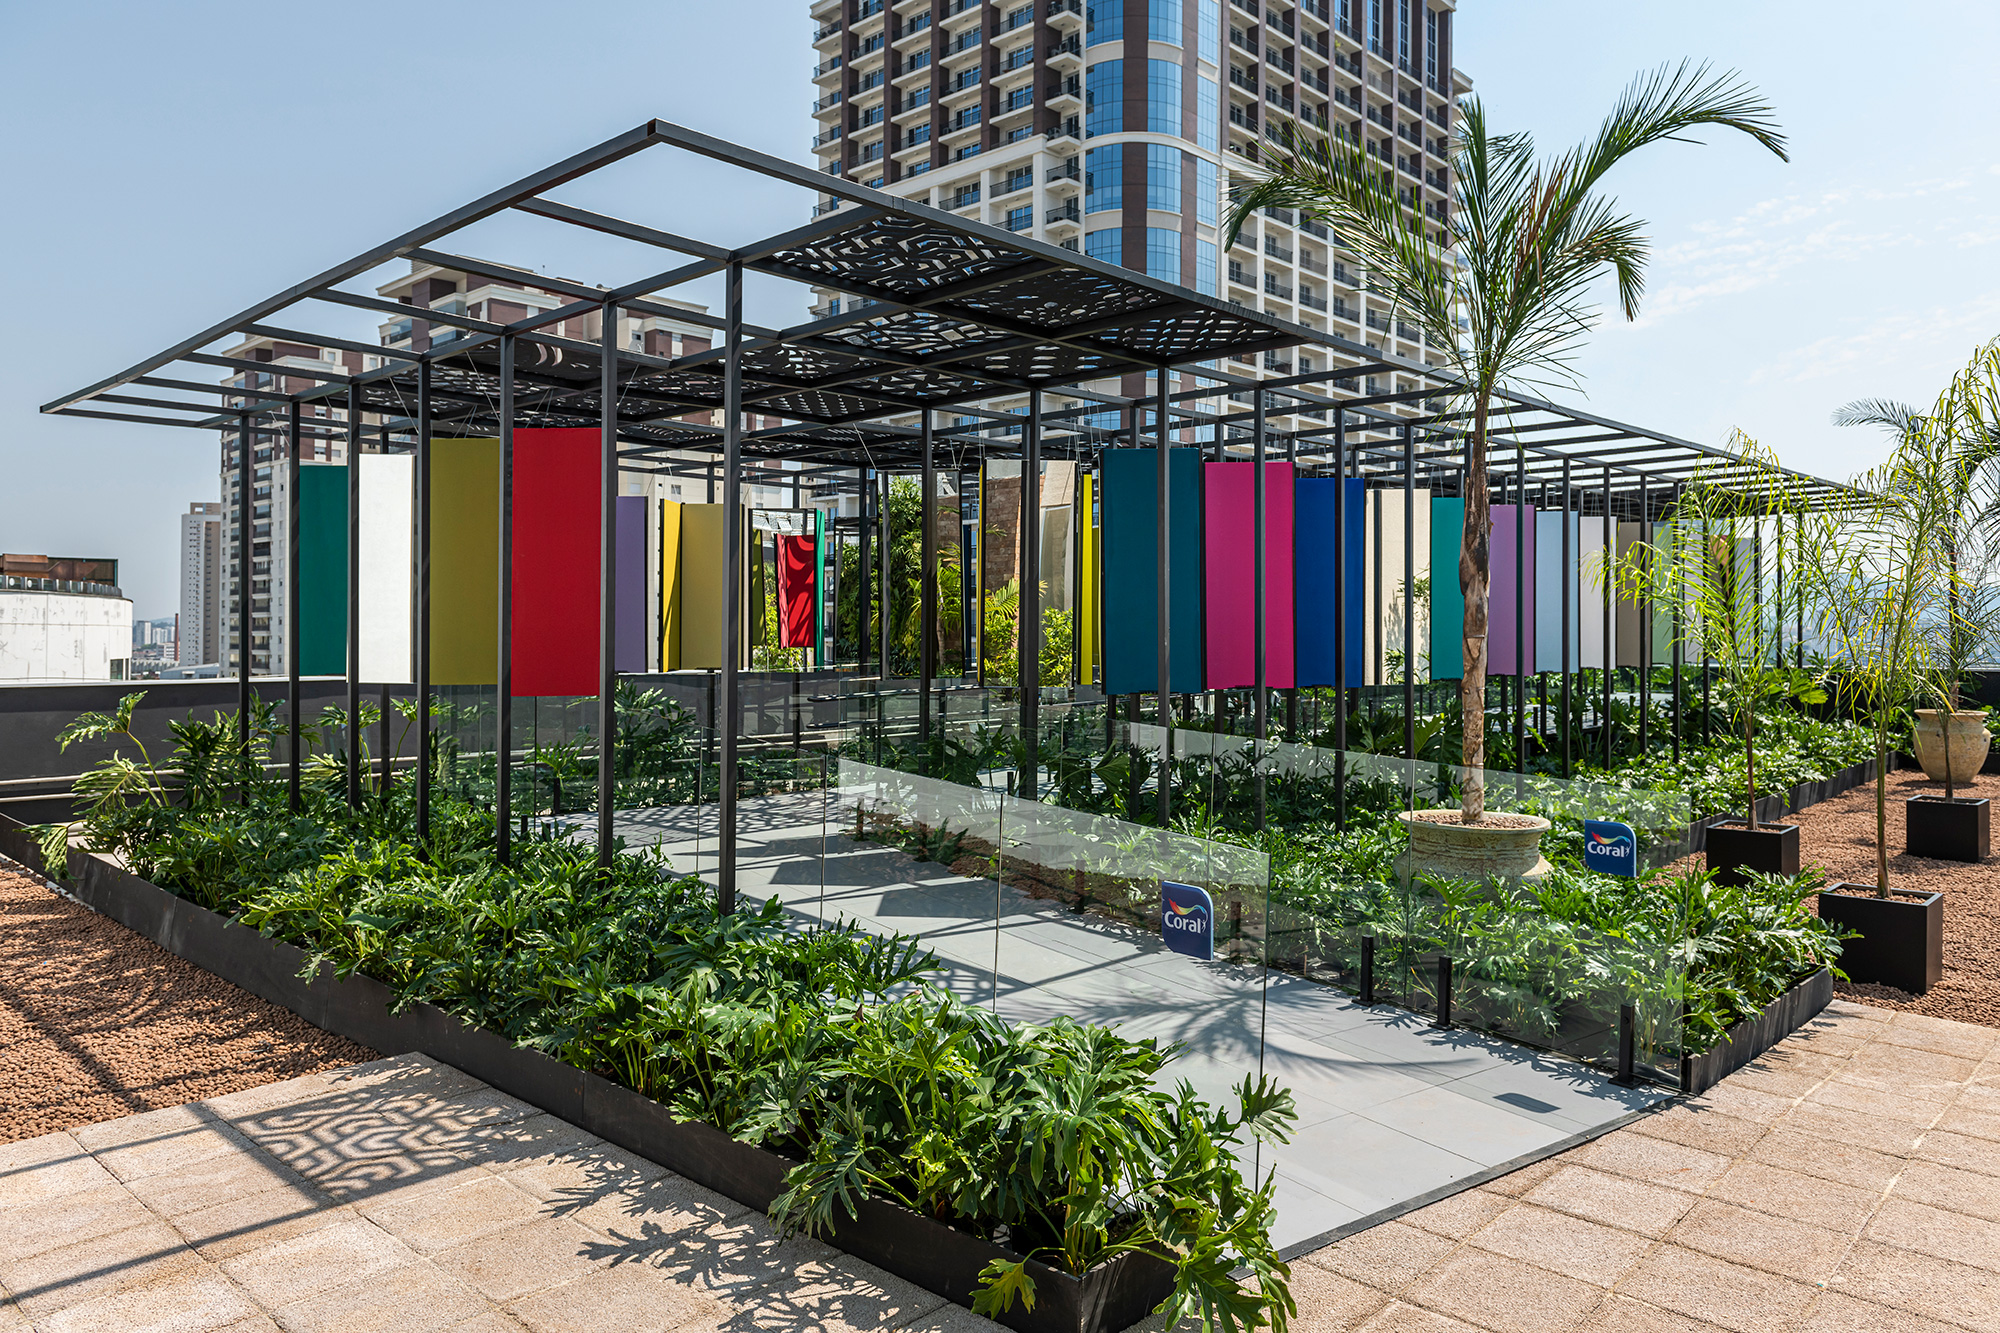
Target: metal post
pixel 927 593
pixel 864 633
pixel 423 601
pixel 1680 624
pixel 1367 969
pixel 1409 596
pixel 1261 533
pixel 607 577
pixel 503 702
pixel 1568 613
pixel 1610 655
pixel 1029 651
pixel 1165 592
pixel 1340 619
pixel 354 732
pixel 1519 693
pixel 1645 624
pixel 884 593
pixel 388 706
pixel 292 604
pixel 1444 991
pixel 732 524
pixel 246 445
pixel 1627 1041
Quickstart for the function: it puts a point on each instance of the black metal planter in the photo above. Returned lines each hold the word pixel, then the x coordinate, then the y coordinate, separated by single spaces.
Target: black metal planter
pixel 1735 848
pixel 1949 830
pixel 1112 1296
pixel 1754 1036
pixel 1900 939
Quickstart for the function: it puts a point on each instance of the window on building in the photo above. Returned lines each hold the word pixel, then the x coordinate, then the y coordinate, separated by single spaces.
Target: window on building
pixel 1205 266
pixel 1403 35
pixel 917 135
pixel 1163 97
pixel 1431 49
pixel 1375 26
pixel 1207 189
pixel 1163 254
pixel 1021 219
pixel 1163 177
pixel 1106 245
pixel 1104 179
pixel 1208 113
pixel 918 97
pixel 1343 17
pixel 1020 97
pixel 1208 20
pixel 1104 21
pixel 1104 98
pixel 1163 21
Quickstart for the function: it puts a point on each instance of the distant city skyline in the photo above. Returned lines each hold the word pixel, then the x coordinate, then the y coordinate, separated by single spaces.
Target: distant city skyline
pixel 1778 291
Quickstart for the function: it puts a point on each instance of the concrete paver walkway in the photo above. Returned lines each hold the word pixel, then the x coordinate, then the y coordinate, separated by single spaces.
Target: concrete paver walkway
pixel 1849 1180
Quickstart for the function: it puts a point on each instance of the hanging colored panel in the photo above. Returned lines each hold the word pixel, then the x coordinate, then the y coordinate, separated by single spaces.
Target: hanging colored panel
pixel 798 591
pixel 1447 596
pixel 1316 571
pixel 704 586
pixel 1388 584
pixel 1629 647
pixel 1593 626
pixel 819 644
pixel 1663 611
pixel 322 569
pixel 629 611
pixel 1510 615
pixel 1087 591
pixel 670 585
pixel 1552 572
pixel 556 555
pixel 465 559
pixel 388 615
pixel 1131 570
pixel 1230 555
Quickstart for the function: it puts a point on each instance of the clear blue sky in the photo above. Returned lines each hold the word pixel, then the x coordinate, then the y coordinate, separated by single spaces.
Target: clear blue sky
pixel 170 164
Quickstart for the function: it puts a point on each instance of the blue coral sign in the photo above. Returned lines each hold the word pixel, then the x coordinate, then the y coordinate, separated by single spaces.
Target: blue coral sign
pixel 1610 848
pixel 1187 920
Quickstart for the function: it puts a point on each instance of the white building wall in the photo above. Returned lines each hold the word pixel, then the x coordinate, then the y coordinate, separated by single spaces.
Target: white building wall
pixel 63 636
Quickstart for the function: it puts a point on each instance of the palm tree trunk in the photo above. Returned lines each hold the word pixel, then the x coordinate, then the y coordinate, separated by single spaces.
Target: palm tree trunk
pixel 1474 568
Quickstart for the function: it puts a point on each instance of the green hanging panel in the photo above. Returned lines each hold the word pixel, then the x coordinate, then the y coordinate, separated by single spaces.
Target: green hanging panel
pixel 323 590
pixel 1447 598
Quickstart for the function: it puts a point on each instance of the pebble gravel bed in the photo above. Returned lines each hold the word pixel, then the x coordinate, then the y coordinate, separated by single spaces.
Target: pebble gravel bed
pixel 98 1023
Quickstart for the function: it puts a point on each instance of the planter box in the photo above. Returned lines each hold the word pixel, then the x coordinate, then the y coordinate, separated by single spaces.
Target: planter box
pixel 1733 848
pixel 1754 1036
pixel 1901 937
pixel 1769 808
pixel 1954 830
pixel 1110 1297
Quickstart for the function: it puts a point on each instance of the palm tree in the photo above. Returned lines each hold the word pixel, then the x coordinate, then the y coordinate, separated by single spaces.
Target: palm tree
pixel 1530 240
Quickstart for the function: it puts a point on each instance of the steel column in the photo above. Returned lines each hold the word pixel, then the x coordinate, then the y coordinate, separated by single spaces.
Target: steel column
pixel 607 578
pixel 423 601
pixel 1645 625
pixel 503 702
pixel 1568 614
pixel 292 605
pixel 927 592
pixel 1028 652
pixel 354 729
pixel 1519 691
pixel 732 526
pixel 1610 654
pixel 1409 593
pixel 1165 594
pixel 245 446
pixel 1340 619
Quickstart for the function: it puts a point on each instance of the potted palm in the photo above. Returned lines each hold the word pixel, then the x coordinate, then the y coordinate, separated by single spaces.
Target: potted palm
pixel 1517 256
pixel 1891 572
pixel 1714 566
pixel 1951 740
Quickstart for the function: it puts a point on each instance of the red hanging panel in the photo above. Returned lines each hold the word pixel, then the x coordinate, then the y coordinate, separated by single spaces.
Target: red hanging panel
pixel 798 590
pixel 557 525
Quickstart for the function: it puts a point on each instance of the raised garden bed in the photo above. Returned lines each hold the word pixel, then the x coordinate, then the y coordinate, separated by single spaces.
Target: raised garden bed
pixel 948 1262
pixel 1752 1037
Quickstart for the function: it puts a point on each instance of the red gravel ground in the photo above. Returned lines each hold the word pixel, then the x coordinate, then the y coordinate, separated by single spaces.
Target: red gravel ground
pixel 97 1023
pixel 1839 835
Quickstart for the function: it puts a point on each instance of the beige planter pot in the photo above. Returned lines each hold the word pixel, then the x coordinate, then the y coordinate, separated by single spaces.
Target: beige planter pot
pixel 1475 851
pixel 1969 744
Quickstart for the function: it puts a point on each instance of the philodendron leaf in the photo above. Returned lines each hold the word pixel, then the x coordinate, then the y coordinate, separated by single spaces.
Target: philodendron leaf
pixel 1002 1283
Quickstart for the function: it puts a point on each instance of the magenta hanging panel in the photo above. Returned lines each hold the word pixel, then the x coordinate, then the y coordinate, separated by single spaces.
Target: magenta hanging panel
pixel 1229 524
pixel 1510 592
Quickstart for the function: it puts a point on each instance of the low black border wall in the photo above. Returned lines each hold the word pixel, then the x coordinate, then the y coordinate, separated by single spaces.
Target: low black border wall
pixel 1754 1036
pixel 1695 837
pixel 1112 1296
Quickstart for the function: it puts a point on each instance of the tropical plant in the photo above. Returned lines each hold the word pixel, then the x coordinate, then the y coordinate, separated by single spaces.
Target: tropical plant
pixel 1715 565
pixel 1892 571
pixel 1516 255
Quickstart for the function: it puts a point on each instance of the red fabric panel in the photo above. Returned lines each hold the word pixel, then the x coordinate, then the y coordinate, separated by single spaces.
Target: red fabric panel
pixel 1230 548
pixel 557 530
pixel 797 591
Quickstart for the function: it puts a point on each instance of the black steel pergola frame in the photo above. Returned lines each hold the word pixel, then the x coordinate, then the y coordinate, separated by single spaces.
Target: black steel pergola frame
pixel 959 314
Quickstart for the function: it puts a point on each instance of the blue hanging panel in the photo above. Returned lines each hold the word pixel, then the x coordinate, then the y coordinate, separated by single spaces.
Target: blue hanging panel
pixel 1447 598
pixel 1316 574
pixel 1131 570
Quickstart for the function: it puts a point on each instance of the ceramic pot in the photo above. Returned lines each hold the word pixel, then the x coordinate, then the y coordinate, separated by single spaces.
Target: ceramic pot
pixel 1968 744
pixel 1475 851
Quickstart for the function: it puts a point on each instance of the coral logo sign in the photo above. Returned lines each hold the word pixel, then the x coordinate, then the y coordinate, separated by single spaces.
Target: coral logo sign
pixel 1610 848
pixel 1187 920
